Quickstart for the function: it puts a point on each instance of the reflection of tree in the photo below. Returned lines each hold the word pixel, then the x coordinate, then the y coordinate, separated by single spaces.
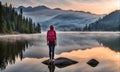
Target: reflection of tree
pixel 113 43
pixel 10 50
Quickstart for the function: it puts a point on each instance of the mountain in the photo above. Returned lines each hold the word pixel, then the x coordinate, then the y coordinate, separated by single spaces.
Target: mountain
pixel 28 9
pixel 62 19
pixel 110 22
pixel 57 9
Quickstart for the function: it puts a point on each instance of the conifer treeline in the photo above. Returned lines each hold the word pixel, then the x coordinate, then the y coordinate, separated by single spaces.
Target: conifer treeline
pixel 12 22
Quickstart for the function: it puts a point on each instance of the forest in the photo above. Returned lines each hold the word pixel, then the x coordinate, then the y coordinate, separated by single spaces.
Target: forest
pixel 12 22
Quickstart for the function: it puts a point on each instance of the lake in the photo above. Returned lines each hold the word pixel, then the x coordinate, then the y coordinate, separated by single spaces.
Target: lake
pixel 26 52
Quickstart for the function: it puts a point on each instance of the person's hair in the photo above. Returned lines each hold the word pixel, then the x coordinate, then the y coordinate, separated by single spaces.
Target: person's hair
pixel 51 27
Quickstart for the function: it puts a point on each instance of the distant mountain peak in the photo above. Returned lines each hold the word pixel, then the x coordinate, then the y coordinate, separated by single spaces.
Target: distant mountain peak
pixel 57 9
pixel 41 7
pixel 29 8
pixel 20 6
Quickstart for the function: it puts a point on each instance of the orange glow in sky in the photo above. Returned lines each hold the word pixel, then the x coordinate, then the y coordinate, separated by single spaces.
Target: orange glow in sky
pixel 98 8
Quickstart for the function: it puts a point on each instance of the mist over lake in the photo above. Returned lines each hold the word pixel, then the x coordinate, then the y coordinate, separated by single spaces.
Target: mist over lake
pixel 22 53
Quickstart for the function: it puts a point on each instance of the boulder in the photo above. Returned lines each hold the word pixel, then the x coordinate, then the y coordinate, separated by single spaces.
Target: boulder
pixel 93 62
pixel 60 62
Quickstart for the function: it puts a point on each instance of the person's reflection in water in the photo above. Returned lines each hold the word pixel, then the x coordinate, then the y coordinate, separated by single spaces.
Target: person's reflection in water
pixel 51 67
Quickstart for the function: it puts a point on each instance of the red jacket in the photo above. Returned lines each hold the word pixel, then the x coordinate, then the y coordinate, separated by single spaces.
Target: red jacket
pixel 51 36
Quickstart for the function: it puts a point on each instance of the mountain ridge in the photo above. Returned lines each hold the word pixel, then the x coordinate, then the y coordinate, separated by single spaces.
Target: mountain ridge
pixel 62 19
pixel 110 22
pixel 29 8
pixel 45 7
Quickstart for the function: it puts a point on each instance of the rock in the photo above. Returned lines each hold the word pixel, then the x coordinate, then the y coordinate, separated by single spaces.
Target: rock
pixel 63 62
pixel 93 62
pixel 60 62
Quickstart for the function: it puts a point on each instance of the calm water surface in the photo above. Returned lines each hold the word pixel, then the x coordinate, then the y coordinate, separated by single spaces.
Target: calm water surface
pixel 25 53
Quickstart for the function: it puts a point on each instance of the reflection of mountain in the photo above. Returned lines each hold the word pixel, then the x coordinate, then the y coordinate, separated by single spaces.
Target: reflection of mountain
pixel 110 22
pixel 10 50
pixel 62 19
pixel 113 43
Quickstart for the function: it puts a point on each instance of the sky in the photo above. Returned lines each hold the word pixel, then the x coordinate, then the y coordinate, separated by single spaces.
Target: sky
pixel 93 6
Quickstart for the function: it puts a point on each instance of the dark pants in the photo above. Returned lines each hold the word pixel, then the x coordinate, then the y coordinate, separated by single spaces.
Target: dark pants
pixel 51 50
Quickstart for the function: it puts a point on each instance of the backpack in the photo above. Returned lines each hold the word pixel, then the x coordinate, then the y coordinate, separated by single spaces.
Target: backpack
pixel 51 36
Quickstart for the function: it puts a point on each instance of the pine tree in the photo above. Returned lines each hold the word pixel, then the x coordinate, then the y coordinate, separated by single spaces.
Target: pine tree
pixel 31 28
pixel 38 28
pixel 21 11
pixel 11 21
pixel 3 28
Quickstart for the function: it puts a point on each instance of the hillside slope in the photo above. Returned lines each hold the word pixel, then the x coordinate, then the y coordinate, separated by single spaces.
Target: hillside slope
pixel 110 22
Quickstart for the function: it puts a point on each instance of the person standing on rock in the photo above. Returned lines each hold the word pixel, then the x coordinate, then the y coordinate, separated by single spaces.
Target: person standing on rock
pixel 51 42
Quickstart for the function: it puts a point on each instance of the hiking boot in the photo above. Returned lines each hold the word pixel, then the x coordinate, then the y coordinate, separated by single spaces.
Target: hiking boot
pixel 50 60
pixel 53 60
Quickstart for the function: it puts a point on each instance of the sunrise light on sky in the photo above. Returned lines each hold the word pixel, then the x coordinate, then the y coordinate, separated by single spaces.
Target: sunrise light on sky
pixel 94 6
